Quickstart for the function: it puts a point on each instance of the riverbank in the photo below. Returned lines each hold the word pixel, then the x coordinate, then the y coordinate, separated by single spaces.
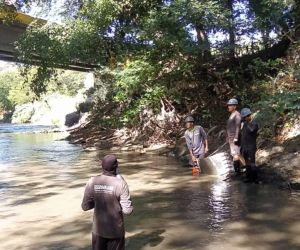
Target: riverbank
pixel 278 160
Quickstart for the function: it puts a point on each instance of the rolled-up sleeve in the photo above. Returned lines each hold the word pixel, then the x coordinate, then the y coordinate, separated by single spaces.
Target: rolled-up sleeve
pixel 125 199
pixel 88 198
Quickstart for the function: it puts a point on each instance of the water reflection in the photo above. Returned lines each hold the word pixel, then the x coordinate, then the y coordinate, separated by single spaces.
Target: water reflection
pixel 219 205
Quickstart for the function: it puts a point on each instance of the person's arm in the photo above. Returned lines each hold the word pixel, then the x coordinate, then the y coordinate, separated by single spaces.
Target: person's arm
pixel 88 199
pixel 206 146
pixel 238 120
pixel 204 137
pixel 252 127
pixel 125 200
pixel 189 146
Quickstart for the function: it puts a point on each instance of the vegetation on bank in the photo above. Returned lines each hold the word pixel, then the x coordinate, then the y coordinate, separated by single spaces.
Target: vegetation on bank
pixel 15 92
pixel 155 61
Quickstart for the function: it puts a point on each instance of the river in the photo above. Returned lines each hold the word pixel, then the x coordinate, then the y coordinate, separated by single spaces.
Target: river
pixel 42 179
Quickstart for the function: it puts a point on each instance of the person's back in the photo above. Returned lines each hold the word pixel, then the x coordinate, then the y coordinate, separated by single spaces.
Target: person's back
pixel 108 195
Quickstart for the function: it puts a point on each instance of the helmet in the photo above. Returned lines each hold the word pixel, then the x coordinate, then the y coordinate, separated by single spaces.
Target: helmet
pixel 189 119
pixel 245 112
pixel 232 101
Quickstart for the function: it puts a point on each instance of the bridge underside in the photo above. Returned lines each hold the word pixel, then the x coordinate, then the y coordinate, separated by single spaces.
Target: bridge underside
pixel 10 33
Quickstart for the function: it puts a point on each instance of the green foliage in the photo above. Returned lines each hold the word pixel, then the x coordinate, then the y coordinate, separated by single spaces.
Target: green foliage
pixel 260 68
pixel 66 83
pixel 272 107
pixel 282 103
pixel 133 79
pixel 14 91
pixel 5 103
pixel 272 9
pixel 147 50
pixel 135 90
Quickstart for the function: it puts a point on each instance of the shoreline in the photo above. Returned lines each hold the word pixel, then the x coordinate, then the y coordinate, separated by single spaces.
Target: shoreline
pixel 278 164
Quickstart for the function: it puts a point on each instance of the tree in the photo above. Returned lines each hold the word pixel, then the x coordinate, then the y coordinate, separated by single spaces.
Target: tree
pixel 172 39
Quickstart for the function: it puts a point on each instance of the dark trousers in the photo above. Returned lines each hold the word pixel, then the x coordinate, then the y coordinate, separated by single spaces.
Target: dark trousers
pixel 251 169
pixel 100 243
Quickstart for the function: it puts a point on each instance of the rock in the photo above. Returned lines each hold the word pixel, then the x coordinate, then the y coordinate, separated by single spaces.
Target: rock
pixel 295 183
pixel 23 113
pixel 85 107
pixel 72 118
pixel 276 150
pixel 50 110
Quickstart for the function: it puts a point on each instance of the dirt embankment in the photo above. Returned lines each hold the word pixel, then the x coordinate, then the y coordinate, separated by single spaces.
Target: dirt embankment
pixel 278 159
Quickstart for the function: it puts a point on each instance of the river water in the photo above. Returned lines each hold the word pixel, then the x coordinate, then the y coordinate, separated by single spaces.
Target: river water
pixel 42 179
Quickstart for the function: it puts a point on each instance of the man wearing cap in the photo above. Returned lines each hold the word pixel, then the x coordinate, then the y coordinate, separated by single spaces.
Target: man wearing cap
pixel 196 141
pixel 233 133
pixel 248 144
pixel 108 195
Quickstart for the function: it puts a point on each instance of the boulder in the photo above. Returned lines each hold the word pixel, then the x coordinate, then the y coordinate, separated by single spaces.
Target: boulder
pixel 72 118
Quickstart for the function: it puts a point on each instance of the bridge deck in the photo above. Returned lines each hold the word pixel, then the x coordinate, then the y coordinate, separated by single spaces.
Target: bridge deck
pixel 10 33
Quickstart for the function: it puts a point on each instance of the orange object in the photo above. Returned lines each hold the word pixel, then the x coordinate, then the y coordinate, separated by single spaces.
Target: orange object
pixel 195 171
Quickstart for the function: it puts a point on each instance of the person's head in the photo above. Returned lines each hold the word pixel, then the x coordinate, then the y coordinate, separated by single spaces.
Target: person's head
pixel 246 114
pixel 232 104
pixel 189 122
pixel 110 165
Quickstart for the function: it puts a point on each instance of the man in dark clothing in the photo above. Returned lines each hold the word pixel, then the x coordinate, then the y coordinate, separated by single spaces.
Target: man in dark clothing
pixel 108 195
pixel 233 133
pixel 248 144
pixel 196 141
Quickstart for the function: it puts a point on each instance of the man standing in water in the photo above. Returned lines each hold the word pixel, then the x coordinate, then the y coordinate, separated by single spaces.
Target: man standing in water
pixel 248 144
pixel 108 195
pixel 233 133
pixel 196 141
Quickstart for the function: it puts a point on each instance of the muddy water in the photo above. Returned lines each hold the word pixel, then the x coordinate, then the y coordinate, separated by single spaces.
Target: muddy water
pixel 41 185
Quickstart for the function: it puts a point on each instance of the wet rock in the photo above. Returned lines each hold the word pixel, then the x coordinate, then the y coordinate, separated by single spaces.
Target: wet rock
pixel 72 119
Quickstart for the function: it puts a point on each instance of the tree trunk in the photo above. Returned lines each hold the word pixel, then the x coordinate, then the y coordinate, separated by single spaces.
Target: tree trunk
pixel 203 42
pixel 297 20
pixel 229 6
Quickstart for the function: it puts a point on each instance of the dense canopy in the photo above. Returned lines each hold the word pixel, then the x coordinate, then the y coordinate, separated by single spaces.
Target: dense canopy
pixel 150 51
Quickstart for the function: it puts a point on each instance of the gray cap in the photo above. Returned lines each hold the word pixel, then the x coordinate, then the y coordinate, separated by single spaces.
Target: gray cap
pixel 245 112
pixel 110 163
pixel 189 119
pixel 232 101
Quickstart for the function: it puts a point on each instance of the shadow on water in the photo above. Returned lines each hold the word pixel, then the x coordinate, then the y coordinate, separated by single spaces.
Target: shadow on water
pixel 138 241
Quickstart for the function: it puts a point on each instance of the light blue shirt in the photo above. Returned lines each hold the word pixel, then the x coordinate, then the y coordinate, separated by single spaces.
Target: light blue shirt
pixel 195 139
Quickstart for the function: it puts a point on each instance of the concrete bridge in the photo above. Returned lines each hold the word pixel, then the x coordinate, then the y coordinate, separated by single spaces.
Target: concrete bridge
pixel 10 32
